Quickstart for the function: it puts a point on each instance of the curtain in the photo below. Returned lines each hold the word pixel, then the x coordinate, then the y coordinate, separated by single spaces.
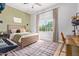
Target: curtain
pixel 37 23
pixel 55 18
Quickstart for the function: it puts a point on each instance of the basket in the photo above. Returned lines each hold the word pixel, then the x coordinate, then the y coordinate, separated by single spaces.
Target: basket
pixel 75 17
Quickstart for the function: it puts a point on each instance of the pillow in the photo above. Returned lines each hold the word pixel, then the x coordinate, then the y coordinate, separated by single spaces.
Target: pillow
pixel 22 29
pixel 18 31
pixel 13 30
pixel 16 38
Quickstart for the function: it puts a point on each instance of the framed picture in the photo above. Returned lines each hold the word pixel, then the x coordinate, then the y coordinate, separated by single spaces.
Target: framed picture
pixel 17 20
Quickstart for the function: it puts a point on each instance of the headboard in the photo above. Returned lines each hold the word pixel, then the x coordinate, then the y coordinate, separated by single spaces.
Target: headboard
pixel 13 28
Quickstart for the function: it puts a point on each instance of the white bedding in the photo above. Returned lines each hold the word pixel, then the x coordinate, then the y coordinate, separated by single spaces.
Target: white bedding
pixel 22 34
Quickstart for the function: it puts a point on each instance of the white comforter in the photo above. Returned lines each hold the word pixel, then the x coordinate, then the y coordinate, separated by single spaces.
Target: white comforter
pixel 23 35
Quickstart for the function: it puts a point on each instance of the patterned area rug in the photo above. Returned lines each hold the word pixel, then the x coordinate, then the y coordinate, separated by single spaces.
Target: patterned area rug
pixel 40 48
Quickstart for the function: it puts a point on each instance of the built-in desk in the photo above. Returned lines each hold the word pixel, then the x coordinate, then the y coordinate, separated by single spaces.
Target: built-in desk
pixel 72 45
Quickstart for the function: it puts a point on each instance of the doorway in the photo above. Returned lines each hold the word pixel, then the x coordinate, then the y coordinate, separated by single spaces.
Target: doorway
pixel 46 26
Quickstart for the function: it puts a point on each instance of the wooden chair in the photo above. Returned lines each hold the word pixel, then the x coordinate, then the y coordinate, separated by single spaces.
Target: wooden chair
pixel 63 38
pixel 60 48
pixel 64 41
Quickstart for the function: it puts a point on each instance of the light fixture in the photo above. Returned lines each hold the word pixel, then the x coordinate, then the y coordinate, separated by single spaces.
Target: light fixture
pixel 38 4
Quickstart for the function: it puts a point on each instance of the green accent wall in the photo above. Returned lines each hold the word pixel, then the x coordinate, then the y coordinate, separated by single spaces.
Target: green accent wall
pixel 9 13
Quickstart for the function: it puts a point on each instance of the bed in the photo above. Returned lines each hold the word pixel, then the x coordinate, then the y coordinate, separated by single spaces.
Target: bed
pixel 23 38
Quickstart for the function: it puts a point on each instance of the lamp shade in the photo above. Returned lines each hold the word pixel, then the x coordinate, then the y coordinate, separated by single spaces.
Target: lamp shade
pixel 2 6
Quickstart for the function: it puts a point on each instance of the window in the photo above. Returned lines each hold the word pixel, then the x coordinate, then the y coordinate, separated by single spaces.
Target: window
pixel 45 21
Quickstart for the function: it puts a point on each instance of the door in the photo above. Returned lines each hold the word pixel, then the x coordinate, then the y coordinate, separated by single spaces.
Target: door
pixel 46 26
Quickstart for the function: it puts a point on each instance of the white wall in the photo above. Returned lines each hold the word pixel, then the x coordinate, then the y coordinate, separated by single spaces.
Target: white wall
pixel 66 11
pixel 77 7
pixel 33 23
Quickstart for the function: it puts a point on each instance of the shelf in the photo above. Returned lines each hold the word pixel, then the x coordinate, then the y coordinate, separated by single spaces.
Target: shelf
pixel 75 22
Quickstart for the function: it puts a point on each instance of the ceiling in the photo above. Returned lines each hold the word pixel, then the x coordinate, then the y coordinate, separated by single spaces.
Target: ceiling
pixel 27 7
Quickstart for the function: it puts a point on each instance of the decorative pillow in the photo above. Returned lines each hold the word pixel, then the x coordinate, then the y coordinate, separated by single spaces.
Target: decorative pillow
pixel 22 29
pixel 18 31
pixel 16 38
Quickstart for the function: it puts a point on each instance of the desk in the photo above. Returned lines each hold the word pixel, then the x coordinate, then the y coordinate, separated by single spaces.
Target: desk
pixel 72 45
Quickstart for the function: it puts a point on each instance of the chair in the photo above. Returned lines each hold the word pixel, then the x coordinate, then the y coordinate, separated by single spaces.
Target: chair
pixel 60 48
pixel 63 38
pixel 64 41
pixel 6 46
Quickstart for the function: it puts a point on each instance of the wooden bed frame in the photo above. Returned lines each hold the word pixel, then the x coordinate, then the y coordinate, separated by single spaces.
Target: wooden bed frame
pixel 29 40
